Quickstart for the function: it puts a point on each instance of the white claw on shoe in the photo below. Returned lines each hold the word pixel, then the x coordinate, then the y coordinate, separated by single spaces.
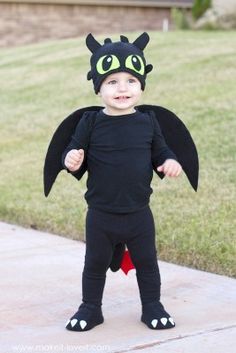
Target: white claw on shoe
pixel 73 322
pixel 171 321
pixel 154 323
pixel 67 323
pixel 83 324
pixel 164 321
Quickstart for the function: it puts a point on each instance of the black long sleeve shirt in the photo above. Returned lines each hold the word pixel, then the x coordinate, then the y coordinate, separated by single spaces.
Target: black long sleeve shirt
pixel 121 155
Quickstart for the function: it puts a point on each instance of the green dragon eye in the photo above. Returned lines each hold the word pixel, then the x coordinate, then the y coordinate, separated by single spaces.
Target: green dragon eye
pixel 135 63
pixel 107 63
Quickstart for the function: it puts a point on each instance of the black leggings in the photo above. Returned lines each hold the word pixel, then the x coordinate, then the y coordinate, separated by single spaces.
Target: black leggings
pixel 103 232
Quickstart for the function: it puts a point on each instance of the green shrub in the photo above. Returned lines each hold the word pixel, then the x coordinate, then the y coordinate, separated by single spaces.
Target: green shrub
pixel 180 19
pixel 199 7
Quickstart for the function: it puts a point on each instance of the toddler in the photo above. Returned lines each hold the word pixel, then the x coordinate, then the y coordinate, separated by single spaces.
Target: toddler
pixel 124 146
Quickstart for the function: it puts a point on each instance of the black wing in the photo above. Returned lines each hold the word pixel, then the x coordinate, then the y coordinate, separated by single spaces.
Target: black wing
pixel 57 146
pixel 175 132
pixel 179 140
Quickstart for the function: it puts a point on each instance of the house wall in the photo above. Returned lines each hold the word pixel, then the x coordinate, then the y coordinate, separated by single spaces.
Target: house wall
pixel 22 23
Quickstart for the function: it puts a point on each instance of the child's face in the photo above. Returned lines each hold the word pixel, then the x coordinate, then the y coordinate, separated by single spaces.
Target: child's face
pixel 120 93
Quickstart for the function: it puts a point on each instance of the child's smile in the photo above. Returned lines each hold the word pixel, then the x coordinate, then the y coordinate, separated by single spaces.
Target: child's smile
pixel 122 99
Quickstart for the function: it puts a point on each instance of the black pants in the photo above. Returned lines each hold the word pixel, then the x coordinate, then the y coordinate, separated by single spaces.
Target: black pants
pixel 103 232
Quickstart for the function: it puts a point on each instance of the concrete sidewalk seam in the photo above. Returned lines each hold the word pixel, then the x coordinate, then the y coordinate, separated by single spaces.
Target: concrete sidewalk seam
pixel 178 338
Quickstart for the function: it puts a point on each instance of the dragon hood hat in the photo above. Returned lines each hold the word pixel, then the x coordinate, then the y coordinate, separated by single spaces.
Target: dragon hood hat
pixel 119 56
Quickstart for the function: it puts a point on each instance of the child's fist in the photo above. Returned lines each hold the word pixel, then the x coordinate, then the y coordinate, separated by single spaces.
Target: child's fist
pixel 74 159
pixel 170 168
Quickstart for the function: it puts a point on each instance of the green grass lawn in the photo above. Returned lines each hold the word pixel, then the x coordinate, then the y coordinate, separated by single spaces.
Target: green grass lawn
pixel 194 75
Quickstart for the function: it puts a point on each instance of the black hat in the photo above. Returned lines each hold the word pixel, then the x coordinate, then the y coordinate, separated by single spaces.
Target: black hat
pixel 119 56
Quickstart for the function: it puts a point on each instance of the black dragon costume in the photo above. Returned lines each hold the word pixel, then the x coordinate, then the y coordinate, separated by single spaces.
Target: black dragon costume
pixel 118 192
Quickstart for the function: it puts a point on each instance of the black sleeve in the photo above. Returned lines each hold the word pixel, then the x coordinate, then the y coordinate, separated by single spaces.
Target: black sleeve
pixel 160 150
pixel 79 139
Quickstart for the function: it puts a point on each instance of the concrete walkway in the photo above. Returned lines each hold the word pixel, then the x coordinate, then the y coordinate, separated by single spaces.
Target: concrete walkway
pixel 41 289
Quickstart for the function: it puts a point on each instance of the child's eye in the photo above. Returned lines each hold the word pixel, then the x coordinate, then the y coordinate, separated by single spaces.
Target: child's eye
pixel 112 82
pixel 131 80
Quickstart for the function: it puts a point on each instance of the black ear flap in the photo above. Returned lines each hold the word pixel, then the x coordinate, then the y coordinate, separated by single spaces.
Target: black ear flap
pixel 148 68
pixel 91 43
pixel 89 75
pixel 124 39
pixel 142 41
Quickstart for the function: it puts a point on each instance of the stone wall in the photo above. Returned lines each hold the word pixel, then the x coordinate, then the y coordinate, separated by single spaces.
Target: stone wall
pixel 224 6
pixel 22 23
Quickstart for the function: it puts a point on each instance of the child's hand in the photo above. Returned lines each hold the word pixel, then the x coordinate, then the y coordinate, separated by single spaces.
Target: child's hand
pixel 170 168
pixel 74 159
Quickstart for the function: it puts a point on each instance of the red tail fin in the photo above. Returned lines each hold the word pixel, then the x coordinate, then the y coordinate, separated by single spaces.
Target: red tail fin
pixel 126 264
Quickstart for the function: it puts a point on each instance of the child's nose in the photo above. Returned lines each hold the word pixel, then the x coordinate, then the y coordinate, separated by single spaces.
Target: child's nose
pixel 122 86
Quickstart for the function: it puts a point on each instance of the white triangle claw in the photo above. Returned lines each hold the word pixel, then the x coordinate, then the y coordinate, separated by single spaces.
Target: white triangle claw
pixel 83 324
pixel 154 323
pixel 73 322
pixel 164 321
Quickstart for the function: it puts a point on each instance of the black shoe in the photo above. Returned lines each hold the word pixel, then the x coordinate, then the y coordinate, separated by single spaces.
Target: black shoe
pixel 87 317
pixel 155 316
